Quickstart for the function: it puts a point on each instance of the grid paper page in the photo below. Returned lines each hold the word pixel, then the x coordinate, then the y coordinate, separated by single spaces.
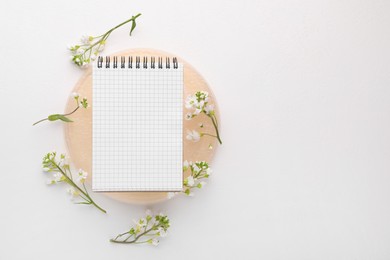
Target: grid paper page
pixel 137 129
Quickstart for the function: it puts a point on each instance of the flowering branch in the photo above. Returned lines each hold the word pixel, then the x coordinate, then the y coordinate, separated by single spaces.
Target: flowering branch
pixel 62 173
pixel 146 230
pixel 199 103
pixel 200 170
pixel 90 46
pixel 63 117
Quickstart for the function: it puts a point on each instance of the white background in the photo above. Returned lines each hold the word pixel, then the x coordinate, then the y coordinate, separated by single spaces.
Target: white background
pixel 303 88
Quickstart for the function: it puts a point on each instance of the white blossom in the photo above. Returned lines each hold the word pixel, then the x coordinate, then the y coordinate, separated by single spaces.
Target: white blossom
pixel 154 241
pixel 101 47
pixel 162 232
pixel 199 103
pixel 204 95
pixel 93 57
pixel 80 51
pixel 190 101
pixel 58 177
pixel 50 182
pixel 141 223
pixel 209 109
pixel 86 39
pixel 62 160
pixel 193 135
pixel 185 165
pixel 188 116
pixel 195 168
pixel 170 195
pixel 197 111
pixel 73 192
pixel 82 176
pixel 190 181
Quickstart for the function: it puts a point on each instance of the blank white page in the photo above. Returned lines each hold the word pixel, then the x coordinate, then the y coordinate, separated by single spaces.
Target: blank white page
pixel 137 128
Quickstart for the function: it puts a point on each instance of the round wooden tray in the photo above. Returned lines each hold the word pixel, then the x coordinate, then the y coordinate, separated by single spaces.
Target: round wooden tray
pixel 78 135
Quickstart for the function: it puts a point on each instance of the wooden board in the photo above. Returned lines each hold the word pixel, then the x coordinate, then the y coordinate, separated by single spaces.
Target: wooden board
pixel 78 135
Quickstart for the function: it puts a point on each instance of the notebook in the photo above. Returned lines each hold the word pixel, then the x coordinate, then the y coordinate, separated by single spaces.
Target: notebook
pixel 137 139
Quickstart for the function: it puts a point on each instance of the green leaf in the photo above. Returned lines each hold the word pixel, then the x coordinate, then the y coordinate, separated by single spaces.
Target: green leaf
pixel 56 117
pixel 64 118
pixel 86 203
pixel 53 117
pixel 133 25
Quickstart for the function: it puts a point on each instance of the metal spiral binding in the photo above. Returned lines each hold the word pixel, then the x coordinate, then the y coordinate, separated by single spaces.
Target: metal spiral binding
pixel 131 62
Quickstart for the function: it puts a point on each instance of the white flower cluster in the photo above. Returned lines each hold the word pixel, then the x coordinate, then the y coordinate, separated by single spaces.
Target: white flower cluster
pixel 62 174
pixel 199 170
pixel 199 104
pixel 89 47
pixel 81 103
pixel 87 50
pixel 151 226
pixel 49 164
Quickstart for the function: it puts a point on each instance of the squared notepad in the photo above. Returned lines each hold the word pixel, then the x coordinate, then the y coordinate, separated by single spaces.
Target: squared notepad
pixel 137 127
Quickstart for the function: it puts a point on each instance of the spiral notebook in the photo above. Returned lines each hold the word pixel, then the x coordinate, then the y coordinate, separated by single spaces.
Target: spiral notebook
pixel 137 124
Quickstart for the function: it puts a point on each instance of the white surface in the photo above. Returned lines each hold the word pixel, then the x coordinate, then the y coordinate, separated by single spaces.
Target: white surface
pixel 137 128
pixel 303 88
